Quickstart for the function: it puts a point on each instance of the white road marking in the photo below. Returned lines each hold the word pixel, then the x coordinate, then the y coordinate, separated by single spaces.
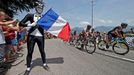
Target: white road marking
pixel 117 57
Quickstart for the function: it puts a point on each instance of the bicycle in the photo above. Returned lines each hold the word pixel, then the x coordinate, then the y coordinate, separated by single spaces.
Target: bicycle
pixel 78 43
pixel 88 44
pixel 119 45
pixel 72 40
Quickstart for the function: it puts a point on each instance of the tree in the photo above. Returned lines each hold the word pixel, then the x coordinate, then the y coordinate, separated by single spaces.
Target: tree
pixel 11 7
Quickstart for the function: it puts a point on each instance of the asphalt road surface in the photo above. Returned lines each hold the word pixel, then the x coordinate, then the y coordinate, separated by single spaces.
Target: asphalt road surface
pixel 64 59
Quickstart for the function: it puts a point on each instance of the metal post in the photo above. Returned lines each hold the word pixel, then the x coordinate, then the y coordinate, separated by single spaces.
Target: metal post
pixel 92 13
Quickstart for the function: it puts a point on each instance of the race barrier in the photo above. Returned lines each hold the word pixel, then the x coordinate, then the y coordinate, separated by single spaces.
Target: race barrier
pixel 130 41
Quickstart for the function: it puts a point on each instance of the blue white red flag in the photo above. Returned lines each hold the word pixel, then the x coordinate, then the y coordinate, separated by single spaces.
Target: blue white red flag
pixel 55 24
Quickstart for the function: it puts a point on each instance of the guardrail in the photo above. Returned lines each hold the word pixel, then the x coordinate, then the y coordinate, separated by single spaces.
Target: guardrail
pixel 130 41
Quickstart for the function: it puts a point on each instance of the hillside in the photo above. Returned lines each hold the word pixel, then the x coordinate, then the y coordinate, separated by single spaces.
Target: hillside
pixel 108 28
pixel 101 28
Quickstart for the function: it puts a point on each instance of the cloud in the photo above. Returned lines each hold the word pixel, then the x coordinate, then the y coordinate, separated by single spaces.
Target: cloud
pixel 109 21
pixel 129 21
pixel 102 21
pixel 85 23
pixel 105 21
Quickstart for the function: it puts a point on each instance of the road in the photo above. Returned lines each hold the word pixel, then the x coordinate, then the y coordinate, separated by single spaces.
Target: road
pixel 67 60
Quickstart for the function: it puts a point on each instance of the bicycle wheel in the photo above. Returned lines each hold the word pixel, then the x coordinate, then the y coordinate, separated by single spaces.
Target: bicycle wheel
pixel 101 45
pixel 90 47
pixel 74 42
pixel 77 44
pixel 120 48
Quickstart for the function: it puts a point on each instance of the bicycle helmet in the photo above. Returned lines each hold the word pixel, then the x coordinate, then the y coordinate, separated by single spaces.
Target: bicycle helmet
pixel 88 27
pixel 124 25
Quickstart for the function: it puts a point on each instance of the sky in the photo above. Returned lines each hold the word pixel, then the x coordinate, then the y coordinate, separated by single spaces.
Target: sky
pixel 78 12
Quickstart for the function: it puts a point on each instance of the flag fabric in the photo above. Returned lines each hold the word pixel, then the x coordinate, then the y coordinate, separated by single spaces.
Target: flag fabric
pixel 55 24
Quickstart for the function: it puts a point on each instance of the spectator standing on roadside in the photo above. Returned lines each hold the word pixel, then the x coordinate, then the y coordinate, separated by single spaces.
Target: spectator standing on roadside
pixel 3 50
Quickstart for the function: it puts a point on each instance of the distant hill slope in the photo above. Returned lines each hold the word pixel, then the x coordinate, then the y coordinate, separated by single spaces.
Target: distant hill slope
pixel 103 28
pixel 100 28
pixel 78 29
pixel 108 28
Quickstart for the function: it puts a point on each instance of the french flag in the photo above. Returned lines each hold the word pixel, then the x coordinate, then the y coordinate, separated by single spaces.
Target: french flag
pixel 55 24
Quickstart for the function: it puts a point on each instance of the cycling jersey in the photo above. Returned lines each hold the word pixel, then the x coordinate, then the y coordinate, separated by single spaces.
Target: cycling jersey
pixel 116 32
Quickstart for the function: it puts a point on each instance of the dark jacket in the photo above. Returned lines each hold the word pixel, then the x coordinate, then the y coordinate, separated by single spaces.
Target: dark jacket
pixel 30 17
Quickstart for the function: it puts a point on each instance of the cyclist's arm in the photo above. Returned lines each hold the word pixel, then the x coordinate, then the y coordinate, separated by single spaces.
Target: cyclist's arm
pixel 123 35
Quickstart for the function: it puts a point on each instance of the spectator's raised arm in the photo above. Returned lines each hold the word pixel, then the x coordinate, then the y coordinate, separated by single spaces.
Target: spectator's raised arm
pixel 7 22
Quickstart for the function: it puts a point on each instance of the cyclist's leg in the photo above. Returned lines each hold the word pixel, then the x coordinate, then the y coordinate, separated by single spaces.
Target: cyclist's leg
pixel 108 39
pixel 112 38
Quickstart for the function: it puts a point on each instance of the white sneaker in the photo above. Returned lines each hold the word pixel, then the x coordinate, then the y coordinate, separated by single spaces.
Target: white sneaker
pixel 46 67
pixel 28 69
pixel 44 64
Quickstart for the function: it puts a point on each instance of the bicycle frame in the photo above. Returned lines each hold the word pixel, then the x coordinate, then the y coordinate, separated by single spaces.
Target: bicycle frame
pixel 117 40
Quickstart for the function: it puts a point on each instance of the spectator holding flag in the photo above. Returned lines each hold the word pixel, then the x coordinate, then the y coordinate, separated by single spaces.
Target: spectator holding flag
pixel 35 35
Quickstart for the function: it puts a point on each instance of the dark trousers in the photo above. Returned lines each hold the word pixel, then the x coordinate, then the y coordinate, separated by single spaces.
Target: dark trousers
pixel 30 46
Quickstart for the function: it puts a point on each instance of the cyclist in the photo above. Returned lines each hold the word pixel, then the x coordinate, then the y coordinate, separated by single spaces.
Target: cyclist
pixel 82 38
pixel 74 35
pixel 132 30
pixel 103 36
pixel 98 37
pixel 116 32
pixel 88 30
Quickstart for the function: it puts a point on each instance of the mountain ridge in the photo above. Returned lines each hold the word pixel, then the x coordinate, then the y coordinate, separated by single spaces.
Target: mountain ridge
pixel 100 28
